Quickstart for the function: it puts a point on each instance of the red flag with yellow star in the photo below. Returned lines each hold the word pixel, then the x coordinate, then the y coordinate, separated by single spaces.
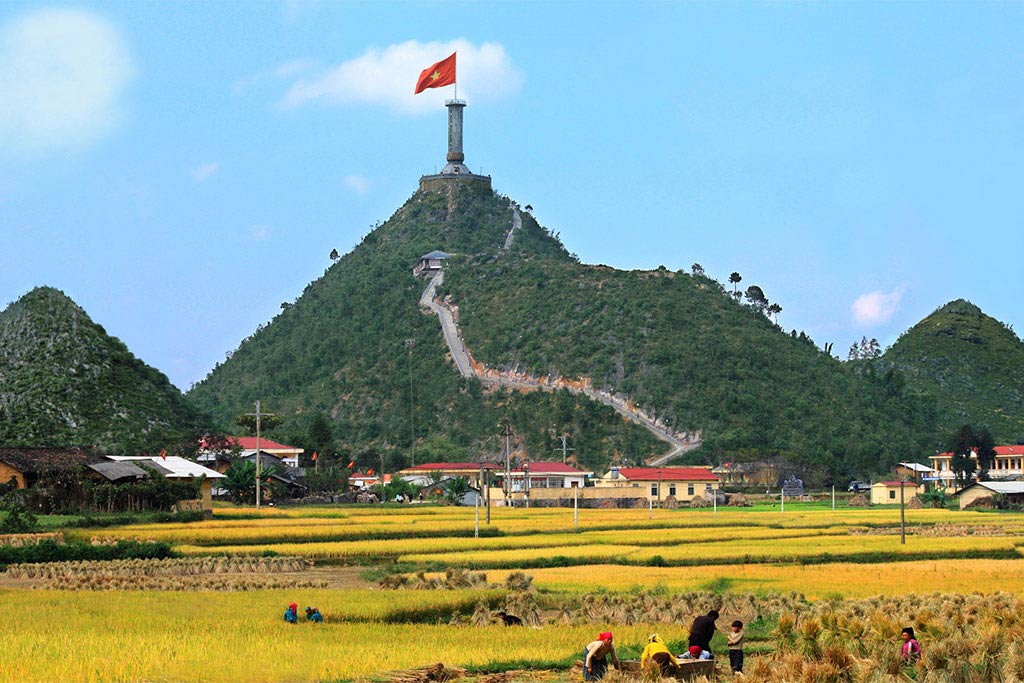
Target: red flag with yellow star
pixel 438 75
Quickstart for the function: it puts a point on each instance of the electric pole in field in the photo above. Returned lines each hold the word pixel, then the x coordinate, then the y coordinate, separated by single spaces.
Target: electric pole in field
pixel 506 432
pixel 565 449
pixel 259 415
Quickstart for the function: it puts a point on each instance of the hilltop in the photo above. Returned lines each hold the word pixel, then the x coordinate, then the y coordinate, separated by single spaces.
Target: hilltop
pixel 356 349
pixel 65 381
pixel 971 364
pixel 676 344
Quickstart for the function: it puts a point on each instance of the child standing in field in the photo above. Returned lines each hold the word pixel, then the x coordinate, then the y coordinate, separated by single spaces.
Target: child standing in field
pixel 911 650
pixel 735 643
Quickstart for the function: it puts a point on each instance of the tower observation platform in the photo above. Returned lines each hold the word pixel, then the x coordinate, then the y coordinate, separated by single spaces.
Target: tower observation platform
pixel 454 170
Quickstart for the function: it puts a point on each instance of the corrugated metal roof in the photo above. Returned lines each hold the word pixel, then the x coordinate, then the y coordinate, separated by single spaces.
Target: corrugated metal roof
pixel 999 486
pixel 114 470
pixel 178 468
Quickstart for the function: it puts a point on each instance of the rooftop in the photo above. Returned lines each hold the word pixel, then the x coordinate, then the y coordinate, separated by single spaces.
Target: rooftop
pixel 667 474
pixel 177 468
pixel 32 459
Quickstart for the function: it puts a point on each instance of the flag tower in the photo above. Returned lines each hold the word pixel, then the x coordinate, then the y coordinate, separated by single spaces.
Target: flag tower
pixel 439 75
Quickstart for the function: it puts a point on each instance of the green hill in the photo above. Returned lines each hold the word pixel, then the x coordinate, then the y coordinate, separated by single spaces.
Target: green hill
pixel 340 351
pixel 972 365
pixel 676 344
pixel 64 381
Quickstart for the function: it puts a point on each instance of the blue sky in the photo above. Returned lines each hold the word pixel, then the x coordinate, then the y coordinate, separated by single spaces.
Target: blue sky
pixel 181 169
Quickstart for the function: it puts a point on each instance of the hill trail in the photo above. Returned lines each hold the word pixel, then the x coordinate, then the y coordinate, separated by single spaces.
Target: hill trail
pixel 679 443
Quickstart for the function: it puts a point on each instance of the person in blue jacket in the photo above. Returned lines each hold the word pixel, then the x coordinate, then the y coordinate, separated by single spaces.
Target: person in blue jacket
pixel 291 615
pixel 313 614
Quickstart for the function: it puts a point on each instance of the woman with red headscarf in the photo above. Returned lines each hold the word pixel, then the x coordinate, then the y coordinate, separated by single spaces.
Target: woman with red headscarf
pixel 595 657
pixel 291 615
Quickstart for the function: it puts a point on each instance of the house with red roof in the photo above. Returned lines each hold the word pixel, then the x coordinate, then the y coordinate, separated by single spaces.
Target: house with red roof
pixel 888 492
pixel 658 483
pixel 1008 464
pixel 289 455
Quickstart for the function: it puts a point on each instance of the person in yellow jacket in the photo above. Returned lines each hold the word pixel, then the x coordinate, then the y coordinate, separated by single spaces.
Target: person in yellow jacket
pixel 656 657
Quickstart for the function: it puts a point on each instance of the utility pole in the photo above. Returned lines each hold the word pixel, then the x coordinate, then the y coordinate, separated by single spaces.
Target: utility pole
pixel 903 514
pixel 259 415
pixel 564 448
pixel 409 343
pixel 507 484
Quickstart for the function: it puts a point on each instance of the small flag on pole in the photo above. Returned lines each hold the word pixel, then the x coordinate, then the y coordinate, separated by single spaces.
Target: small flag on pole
pixel 369 472
pixel 314 456
pixel 163 454
pixel 352 464
pixel 437 75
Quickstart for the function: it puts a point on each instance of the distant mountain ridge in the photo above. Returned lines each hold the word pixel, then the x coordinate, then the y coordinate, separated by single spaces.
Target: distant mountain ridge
pixel 970 363
pixel 64 381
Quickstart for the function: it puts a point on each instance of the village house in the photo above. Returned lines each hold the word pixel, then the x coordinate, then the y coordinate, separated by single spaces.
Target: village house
pixel 759 474
pixel 25 466
pixel 1008 465
pixel 287 455
pixel 913 471
pixel 544 475
pixel 430 263
pixel 658 483
pixel 175 468
pixel 1012 490
pixel 888 492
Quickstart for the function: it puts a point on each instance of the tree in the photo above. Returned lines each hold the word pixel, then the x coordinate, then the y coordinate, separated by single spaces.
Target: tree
pixel 240 481
pixel 735 278
pixel 321 438
pixel 775 309
pixel 334 255
pixel 697 270
pixel 962 446
pixel 985 448
pixel 267 422
pixel 755 295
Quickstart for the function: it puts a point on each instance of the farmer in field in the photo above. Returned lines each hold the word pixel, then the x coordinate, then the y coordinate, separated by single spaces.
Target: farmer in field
pixel 702 630
pixel 911 649
pixel 595 657
pixel 657 658
pixel 313 614
pixel 291 615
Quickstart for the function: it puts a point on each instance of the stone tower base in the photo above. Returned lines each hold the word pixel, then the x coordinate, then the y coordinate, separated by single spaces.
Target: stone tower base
pixel 440 182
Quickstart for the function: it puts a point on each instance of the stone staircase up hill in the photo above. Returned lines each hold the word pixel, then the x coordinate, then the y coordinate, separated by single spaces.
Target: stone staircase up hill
pixel 679 443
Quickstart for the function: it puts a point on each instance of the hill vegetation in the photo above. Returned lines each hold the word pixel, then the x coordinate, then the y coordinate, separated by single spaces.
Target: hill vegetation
pixel 686 350
pixel 355 348
pixel 354 351
pixel 64 381
pixel 971 364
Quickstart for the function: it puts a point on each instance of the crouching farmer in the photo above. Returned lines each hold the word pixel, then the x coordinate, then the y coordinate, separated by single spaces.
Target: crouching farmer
pixel 596 655
pixel 291 615
pixel 657 658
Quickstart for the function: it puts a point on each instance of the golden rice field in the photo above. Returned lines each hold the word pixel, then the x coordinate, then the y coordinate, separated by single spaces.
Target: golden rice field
pixel 240 638
pixel 170 636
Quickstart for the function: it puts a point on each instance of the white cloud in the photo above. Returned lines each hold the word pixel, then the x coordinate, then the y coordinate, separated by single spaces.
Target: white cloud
pixel 388 77
pixel 204 171
pixel 259 233
pixel 63 73
pixel 358 183
pixel 875 308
